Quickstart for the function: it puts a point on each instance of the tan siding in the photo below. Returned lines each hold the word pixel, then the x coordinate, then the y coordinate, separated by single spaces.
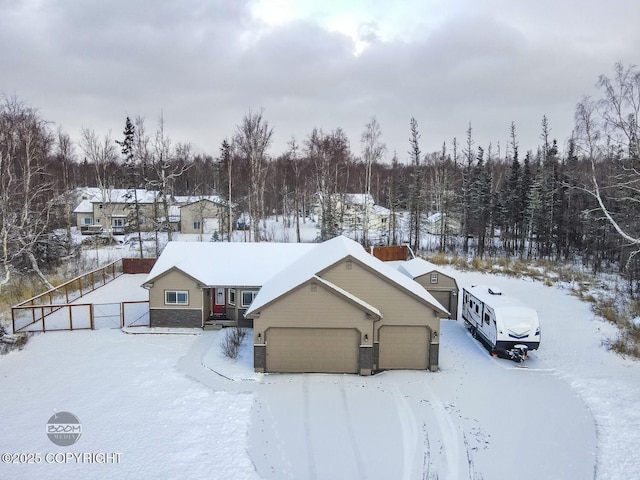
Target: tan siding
pixel 308 309
pixel 397 306
pixel 444 282
pixel 101 215
pixel 442 291
pixel 174 280
pixel 197 212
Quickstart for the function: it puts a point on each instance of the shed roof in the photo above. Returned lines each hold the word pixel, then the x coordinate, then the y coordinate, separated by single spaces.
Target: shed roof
pixel 325 255
pixel 225 264
pixel 417 267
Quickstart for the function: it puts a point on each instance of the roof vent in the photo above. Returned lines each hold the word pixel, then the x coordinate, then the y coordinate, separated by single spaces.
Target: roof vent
pixel 495 291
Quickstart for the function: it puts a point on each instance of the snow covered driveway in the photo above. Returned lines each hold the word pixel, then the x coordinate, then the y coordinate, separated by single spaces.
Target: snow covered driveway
pixel 478 418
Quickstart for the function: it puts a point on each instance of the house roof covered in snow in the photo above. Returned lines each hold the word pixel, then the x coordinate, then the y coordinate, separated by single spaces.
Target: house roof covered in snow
pixel 85 206
pixel 325 255
pixel 228 264
pixel 417 267
pixel 123 195
pixel 183 200
pixel 357 198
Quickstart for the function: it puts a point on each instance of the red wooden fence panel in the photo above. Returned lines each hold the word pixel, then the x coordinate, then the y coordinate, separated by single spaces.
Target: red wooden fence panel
pixel 137 265
pixel 388 254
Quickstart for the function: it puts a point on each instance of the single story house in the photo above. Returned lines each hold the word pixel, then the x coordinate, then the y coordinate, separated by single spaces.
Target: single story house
pixel 443 287
pixel 339 309
pixel 329 307
pixel 194 284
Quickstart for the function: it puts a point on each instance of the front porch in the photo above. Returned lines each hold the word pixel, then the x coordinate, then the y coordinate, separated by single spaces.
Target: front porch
pixel 227 307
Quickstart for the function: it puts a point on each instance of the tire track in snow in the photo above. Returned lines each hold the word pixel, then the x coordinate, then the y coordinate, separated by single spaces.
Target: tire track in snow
pixel 279 444
pixel 449 435
pixel 352 435
pixel 408 423
pixel 307 428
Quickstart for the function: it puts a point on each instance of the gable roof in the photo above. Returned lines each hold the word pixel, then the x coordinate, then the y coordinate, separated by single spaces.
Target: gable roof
pixel 225 264
pixel 417 267
pixel 324 256
pixel 85 206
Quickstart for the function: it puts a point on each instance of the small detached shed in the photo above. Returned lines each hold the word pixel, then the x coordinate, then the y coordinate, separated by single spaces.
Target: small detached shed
pixel 338 309
pixel 442 286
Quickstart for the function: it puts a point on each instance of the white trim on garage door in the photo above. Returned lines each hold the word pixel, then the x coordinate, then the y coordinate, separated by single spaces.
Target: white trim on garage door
pixel 326 350
pixel 404 347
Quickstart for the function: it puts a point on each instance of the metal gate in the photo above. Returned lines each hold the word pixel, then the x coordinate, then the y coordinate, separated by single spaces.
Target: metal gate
pixel 107 315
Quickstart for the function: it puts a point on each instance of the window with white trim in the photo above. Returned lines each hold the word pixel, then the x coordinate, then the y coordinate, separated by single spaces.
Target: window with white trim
pixel 87 220
pixel 248 296
pixel 176 297
pixel 196 225
pixel 434 278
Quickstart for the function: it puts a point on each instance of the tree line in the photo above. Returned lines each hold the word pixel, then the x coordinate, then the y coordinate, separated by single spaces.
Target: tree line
pixel 575 202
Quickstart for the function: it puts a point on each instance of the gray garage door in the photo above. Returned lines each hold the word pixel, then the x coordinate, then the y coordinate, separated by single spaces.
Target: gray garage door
pixel 404 347
pixel 443 298
pixel 328 350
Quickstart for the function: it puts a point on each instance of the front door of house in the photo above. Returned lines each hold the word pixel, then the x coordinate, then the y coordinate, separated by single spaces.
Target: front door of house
pixel 219 302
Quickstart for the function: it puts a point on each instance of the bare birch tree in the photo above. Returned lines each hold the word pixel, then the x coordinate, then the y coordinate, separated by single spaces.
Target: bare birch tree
pixel 608 134
pixel 252 139
pixel 25 190
pixel 372 151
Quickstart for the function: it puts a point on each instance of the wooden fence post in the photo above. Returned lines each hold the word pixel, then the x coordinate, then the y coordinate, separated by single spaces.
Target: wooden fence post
pixel 91 315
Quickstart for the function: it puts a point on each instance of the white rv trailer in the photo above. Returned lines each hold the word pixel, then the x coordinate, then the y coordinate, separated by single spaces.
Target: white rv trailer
pixel 504 324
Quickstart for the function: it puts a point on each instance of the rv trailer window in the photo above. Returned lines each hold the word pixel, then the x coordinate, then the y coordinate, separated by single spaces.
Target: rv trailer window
pixel 477 309
pixel 486 319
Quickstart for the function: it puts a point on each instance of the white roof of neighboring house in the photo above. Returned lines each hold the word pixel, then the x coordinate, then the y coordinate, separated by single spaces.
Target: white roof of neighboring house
pixel 380 210
pixel 357 198
pixel 324 255
pixel 123 195
pixel 85 206
pixel 416 267
pixel 183 200
pixel 228 264
pixel 436 217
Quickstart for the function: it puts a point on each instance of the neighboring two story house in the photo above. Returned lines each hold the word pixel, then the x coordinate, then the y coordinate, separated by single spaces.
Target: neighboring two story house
pixel 108 209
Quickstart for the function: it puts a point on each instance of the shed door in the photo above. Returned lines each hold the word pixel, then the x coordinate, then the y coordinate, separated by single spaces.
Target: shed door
pixel 443 297
pixel 323 350
pixel 404 347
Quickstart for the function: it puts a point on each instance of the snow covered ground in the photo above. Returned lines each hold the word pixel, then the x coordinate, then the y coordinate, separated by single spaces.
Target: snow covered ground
pixel 175 408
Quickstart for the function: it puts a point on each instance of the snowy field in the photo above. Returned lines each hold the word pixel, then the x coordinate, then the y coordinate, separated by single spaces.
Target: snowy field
pixel 175 408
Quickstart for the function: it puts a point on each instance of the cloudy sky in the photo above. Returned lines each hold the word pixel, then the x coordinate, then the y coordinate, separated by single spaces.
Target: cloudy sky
pixel 318 63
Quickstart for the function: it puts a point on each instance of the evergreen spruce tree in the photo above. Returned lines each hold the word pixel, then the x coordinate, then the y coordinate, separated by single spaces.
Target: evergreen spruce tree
pixel 134 215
